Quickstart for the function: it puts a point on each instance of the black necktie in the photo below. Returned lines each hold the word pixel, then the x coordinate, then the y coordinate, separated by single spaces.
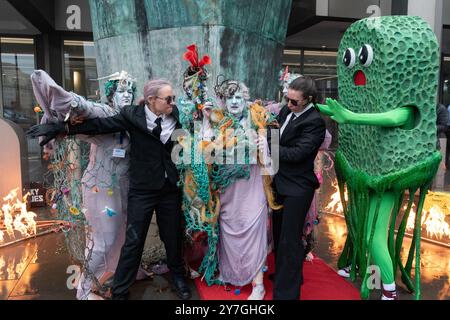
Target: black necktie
pixel 293 117
pixel 158 129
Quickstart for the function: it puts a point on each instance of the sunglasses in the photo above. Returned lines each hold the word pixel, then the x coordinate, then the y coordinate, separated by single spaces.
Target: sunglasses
pixel 292 101
pixel 168 99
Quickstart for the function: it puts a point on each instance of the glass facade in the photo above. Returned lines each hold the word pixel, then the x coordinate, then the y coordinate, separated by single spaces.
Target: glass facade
pixel 17 64
pixel 80 69
pixel 18 61
pixel 292 59
pixel 446 79
pixel 320 65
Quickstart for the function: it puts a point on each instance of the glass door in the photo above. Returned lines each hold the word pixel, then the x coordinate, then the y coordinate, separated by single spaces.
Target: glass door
pixel 17 64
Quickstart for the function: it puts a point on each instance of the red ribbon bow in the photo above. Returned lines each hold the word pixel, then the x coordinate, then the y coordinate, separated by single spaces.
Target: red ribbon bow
pixel 192 56
pixel 284 75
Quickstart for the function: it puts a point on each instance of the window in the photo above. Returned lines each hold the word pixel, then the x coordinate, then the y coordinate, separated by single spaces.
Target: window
pixel 80 69
pixel 17 64
pixel 292 59
pixel 446 84
pixel 319 65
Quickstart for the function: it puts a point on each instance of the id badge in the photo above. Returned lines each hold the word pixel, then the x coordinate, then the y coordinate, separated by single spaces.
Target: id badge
pixel 118 153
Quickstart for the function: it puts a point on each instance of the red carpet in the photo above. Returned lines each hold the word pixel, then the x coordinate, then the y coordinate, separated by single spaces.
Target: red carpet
pixel 321 282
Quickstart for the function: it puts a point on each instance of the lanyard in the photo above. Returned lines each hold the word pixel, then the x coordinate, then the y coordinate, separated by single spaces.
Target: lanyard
pixel 120 138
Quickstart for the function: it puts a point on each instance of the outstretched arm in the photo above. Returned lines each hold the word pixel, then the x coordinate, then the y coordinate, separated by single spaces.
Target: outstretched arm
pixel 112 124
pixel 324 109
pixel 63 105
pixel 49 131
pixel 403 116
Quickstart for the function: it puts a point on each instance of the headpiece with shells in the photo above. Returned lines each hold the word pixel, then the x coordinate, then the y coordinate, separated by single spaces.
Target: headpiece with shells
pixel 195 76
pixel 118 80
pixel 227 88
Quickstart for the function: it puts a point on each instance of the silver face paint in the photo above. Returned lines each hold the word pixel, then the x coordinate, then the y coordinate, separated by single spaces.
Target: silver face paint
pixel 124 94
pixel 236 104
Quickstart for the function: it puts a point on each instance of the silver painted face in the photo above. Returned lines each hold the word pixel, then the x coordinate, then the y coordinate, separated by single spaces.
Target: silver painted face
pixel 236 104
pixel 124 94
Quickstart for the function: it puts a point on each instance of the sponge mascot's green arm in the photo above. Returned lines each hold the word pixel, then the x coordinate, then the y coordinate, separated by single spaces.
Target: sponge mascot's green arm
pixel 400 117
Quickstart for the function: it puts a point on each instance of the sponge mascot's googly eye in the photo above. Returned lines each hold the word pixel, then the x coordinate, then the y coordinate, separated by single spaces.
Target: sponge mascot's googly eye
pixel 349 58
pixel 365 55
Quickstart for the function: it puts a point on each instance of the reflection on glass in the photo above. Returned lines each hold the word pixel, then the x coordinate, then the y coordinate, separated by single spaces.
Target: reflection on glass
pixel 446 79
pixel 2 265
pixel 17 64
pixel 14 262
pixel 434 266
pixel 80 69
pixel 292 59
pixel 338 235
pixel 321 66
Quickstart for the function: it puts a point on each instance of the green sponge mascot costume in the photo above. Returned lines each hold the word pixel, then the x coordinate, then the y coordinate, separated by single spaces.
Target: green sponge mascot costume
pixel 388 70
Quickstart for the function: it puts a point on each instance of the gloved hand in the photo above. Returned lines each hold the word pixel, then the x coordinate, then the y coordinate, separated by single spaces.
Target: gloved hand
pixel 49 131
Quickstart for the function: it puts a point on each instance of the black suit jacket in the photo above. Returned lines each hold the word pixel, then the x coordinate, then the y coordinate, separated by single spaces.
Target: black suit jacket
pixel 149 157
pixel 299 145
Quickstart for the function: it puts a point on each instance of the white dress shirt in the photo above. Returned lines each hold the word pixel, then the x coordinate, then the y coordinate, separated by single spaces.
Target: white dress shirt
pixel 297 114
pixel 168 124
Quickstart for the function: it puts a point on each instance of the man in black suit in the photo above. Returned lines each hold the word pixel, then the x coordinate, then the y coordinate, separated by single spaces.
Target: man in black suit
pixel 153 179
pixel 301 134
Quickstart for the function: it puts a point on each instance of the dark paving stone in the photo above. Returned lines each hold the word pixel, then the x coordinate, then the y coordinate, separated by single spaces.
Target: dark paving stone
pixel 158 288
pixel 16 257
pixel 54 245
pixel 45 280
pixel 6 287
pixel 46 277
pixel 42 273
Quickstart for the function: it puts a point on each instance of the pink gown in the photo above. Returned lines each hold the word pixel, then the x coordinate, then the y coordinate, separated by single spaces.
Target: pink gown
pixel 243 223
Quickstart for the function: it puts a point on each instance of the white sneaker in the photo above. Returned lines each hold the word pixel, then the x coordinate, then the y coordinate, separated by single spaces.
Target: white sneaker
pixel 389 295
pixel 345 272
pixel 258 292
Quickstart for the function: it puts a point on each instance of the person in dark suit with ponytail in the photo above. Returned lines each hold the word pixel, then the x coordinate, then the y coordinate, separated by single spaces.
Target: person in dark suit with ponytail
pixel 301 134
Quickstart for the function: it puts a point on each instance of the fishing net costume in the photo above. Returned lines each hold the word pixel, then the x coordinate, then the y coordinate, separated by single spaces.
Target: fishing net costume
pixel 200 203
pixel 90 187
pixel 204 175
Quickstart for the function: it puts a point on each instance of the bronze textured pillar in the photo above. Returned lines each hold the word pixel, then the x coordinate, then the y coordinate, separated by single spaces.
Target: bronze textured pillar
pixel 147 38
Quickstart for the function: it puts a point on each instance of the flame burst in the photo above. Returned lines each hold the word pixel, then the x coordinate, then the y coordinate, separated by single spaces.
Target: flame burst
pixel 335 204
pixel 436 211
pixel 14 216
